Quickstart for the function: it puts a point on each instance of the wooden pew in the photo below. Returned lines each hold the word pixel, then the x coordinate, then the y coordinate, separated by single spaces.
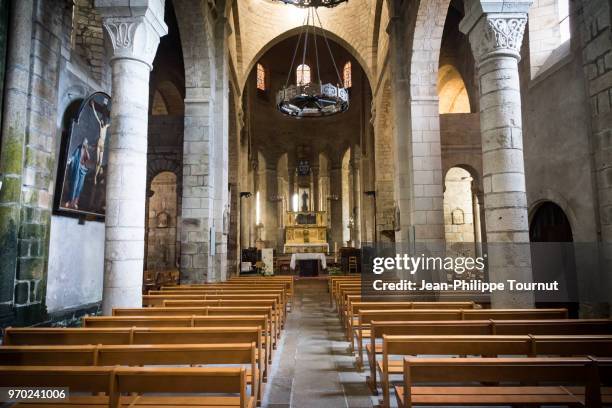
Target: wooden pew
pixel 486 346
pixel 139 355
pixel 139 335
pixel 155 298
pixel 354 308
pixel 187 321
pixel 205 383
pixel 460 374
pixel 478 327
pixel 365 318
pixel 277 309
pixel 243 283
pixel 206 311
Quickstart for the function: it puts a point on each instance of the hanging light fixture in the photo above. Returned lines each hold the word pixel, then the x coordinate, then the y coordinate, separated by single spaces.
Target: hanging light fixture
pixel 314 3
pixel 308 98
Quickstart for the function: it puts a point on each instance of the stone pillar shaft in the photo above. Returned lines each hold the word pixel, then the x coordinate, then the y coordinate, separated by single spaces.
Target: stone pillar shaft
pixel 12 153
pixel 126 186
pixel 134 32
pixel 496 39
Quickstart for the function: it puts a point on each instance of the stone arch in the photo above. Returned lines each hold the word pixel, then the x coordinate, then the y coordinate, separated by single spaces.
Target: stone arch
pixel 196 41
pixel 237 35
pixel 452 92
pixel 172 98
pixel 296 31
pixel 470 169
pixel 547 209
pixel 378 9
pixel 160 165
pixel 425 48
pixel 559 200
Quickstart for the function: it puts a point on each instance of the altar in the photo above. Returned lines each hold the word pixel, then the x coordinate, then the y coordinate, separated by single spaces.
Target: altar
pixel 309 263
pixel 306 232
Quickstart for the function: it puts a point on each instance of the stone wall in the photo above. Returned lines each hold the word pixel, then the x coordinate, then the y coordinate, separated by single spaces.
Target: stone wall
pixel 596 40
pixel 46 280
pixel 88 38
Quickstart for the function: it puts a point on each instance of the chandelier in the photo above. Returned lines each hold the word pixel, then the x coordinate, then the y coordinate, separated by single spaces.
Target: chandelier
pixel 308 98
pixel 313 3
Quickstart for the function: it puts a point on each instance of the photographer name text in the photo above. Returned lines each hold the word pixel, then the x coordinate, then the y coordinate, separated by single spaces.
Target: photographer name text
pixel 463 285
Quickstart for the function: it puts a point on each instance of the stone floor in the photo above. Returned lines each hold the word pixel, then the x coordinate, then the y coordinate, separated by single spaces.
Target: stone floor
pixel 312 367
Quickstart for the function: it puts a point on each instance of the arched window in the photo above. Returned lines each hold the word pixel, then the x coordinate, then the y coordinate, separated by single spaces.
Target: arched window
pixel 347 74
pixel 261 77
pixel 564 24
pixel 549 32
pixel 302 75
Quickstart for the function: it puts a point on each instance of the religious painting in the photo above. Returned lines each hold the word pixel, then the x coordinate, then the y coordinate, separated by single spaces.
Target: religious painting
pixel 81 184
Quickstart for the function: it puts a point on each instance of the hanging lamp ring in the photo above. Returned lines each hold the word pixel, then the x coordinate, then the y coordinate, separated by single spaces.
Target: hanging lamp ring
pixel 314 3
pixel 312 99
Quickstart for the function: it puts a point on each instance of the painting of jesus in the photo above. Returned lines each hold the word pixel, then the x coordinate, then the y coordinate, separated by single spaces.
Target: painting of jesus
pixel 82 174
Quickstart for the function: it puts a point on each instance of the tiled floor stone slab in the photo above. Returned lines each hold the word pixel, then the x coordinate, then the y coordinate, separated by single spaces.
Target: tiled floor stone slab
pixel 312 367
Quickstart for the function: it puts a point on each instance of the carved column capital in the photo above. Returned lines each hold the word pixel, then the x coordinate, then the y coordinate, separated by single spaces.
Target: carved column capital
pixel 497 34
pixel 134 31
pixel 495 27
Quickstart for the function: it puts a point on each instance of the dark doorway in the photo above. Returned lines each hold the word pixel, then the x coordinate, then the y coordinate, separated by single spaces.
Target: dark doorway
pixel 550 224
pixel 553 258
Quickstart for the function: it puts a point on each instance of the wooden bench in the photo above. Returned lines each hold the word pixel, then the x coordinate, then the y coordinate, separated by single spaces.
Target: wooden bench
pixel 213 387
pixel 206 311
pixel 140 335
pixel 485 346
pixel 186 321
pixel 355 307
pixel 242 283
pixel 460 374
pixel 139 355
pixel 155 298
pixel 278 310
pixel 365 318
pixel 478 327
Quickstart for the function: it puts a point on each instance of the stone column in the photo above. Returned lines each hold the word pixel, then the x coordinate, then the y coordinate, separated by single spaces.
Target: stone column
pixel 134 32
pixel 12 153
pixel 496 37
pixel 314 191
pixel 418 181
pixel 220 160
pixel 356 210
pixel 335 205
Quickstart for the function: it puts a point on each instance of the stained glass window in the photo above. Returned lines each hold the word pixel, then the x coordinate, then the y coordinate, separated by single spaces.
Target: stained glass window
pixel 261 77
pixel 348 75
pixel 302 75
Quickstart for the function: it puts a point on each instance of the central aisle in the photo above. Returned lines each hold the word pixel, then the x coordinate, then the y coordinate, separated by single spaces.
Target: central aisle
pixel 313 367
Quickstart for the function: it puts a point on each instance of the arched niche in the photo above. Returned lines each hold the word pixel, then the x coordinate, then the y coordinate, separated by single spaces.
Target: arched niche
pixel 452 93
pixel 161 222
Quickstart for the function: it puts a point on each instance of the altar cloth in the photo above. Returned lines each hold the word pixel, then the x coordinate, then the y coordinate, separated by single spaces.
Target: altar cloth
pixel 308 256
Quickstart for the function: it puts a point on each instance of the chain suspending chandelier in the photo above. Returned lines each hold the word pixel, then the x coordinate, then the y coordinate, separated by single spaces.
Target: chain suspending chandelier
pixel 313 3
pixel 308 98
